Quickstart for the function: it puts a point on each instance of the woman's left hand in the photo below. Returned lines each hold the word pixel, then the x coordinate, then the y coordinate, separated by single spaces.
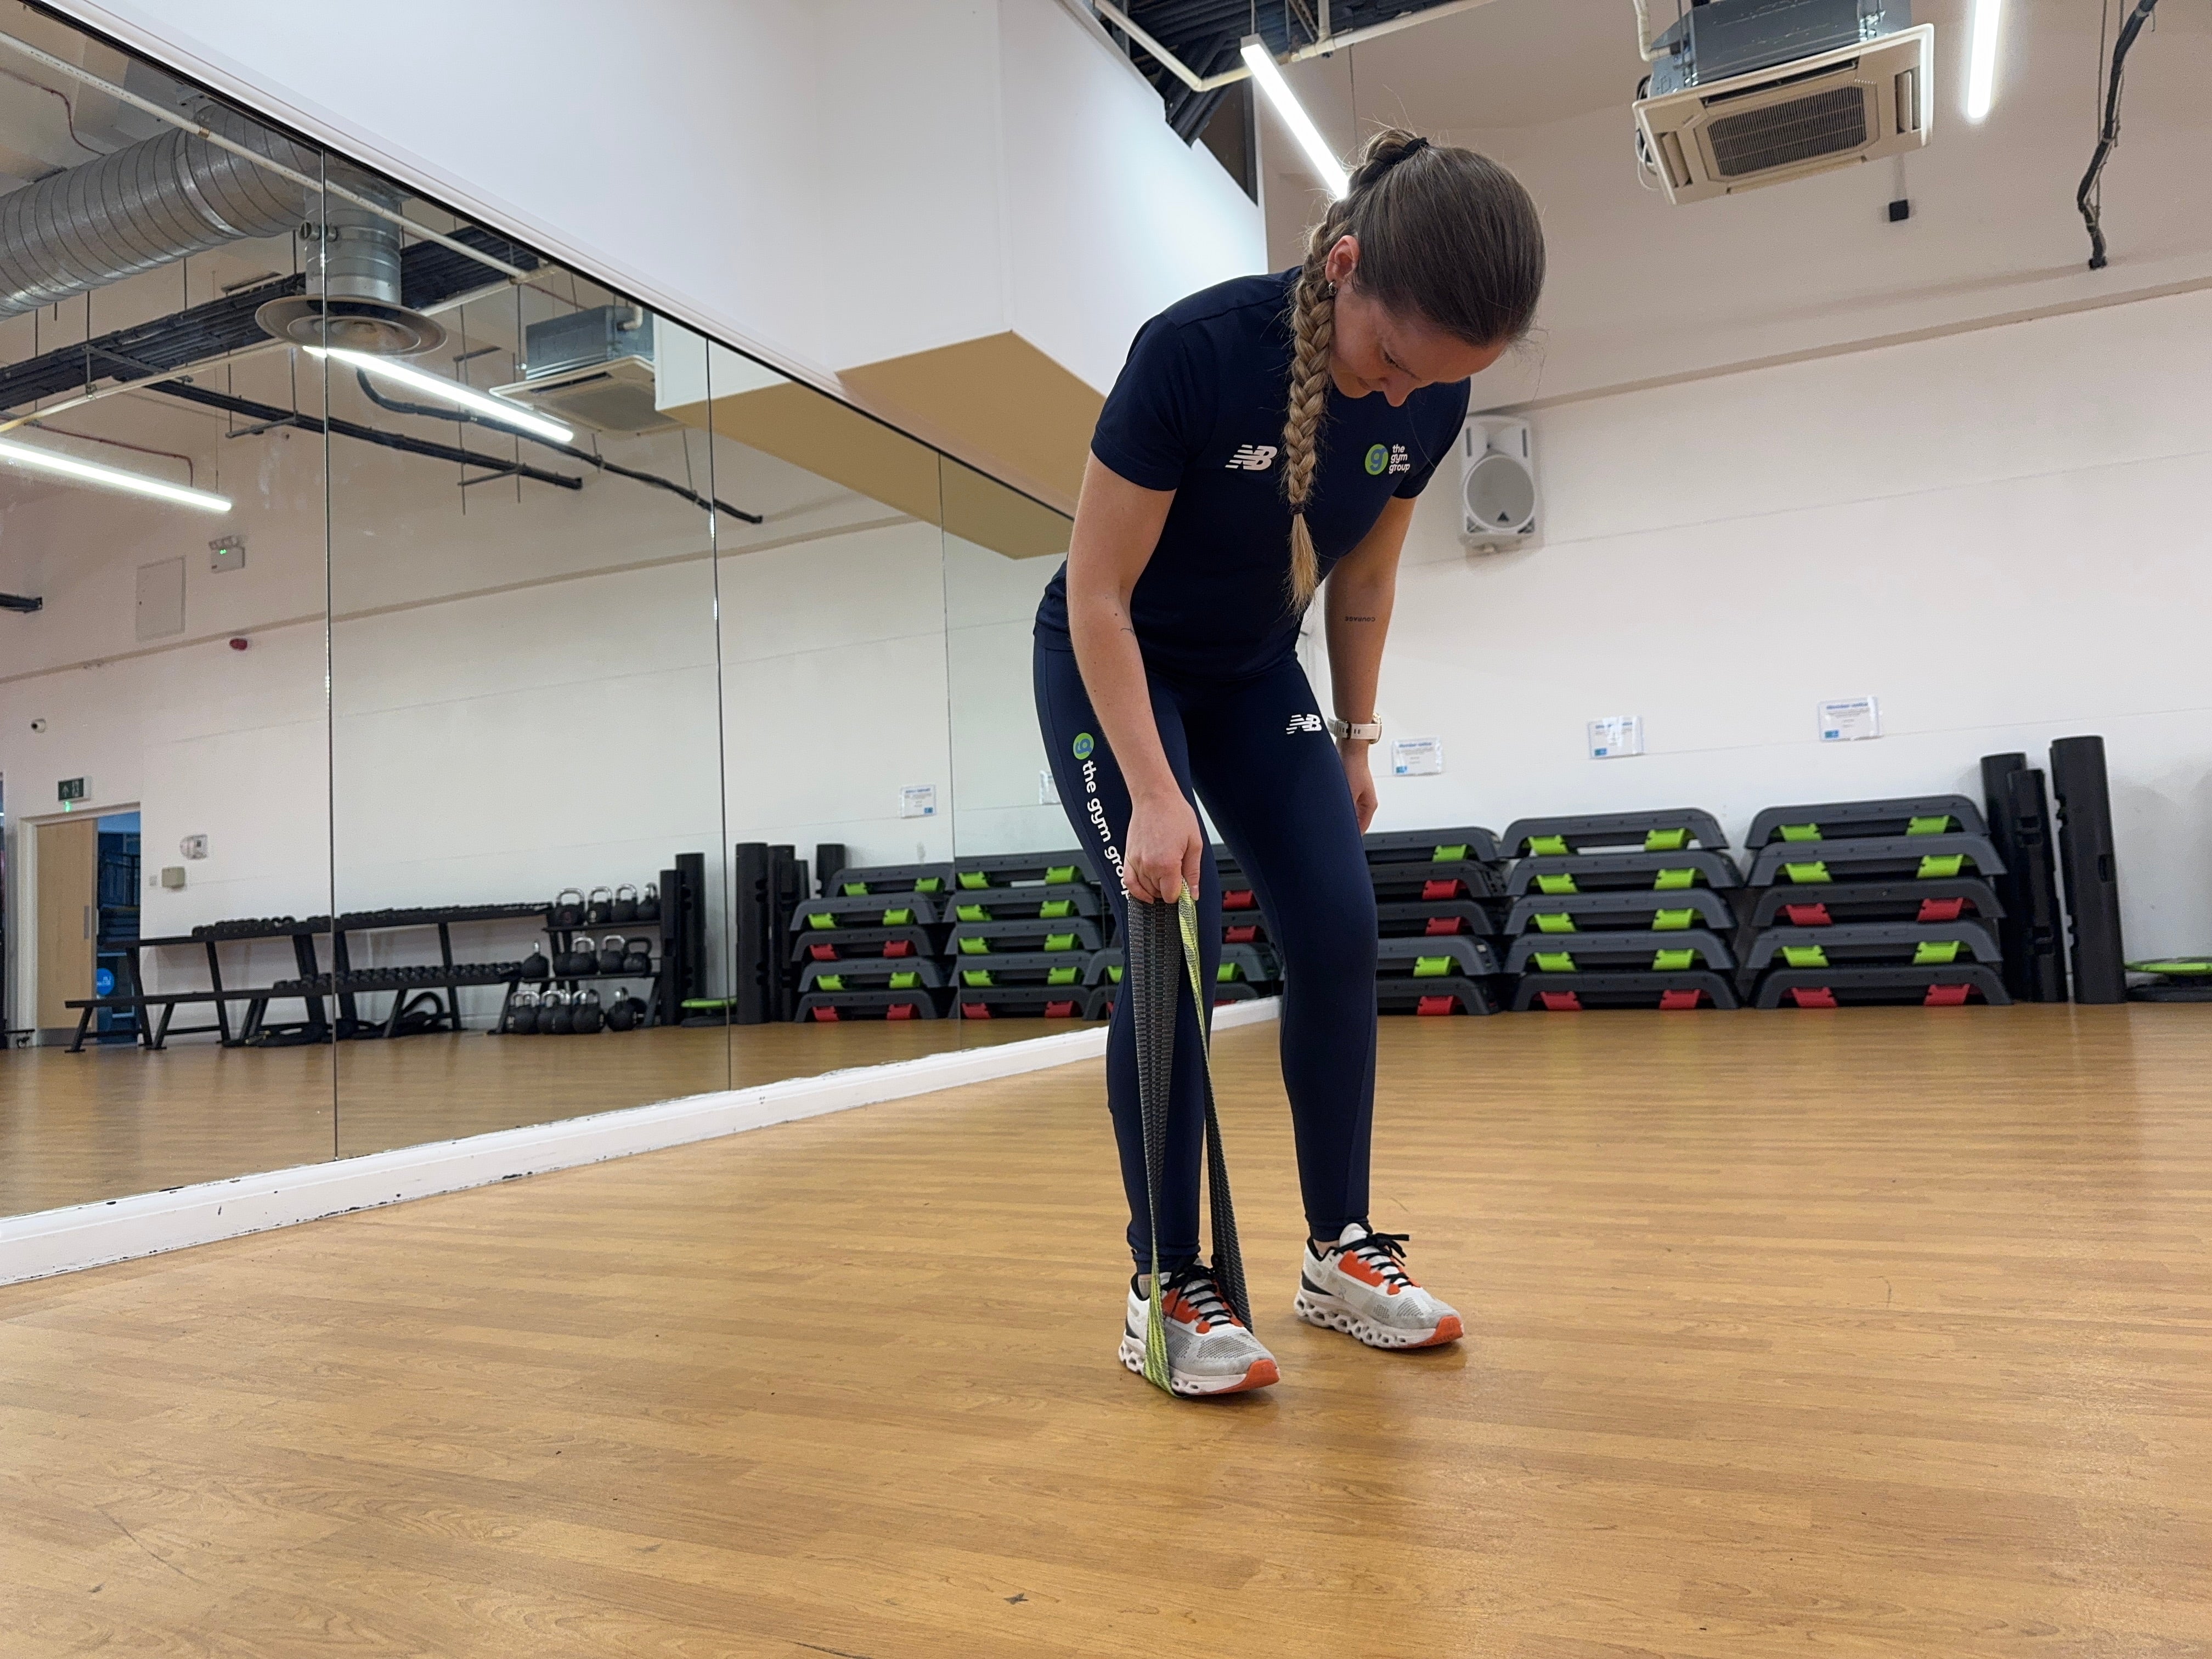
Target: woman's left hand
pixel 1360 779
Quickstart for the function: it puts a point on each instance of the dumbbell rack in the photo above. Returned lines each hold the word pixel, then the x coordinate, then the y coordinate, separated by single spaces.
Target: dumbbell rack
pixel 561 941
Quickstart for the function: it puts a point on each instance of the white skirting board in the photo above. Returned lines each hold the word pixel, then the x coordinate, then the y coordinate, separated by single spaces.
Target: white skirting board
pixel 122 1229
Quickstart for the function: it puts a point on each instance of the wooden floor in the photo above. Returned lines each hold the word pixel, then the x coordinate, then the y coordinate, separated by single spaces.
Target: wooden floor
pixel 81 1128
pixel 1876 1332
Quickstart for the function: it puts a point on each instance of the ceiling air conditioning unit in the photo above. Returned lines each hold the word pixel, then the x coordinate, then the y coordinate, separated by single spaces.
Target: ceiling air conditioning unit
pixel 591 368
pixel 1498 485
pixel 1746 93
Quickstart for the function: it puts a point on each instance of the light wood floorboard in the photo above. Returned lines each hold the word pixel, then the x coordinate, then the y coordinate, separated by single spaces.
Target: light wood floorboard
pixel 1882 1334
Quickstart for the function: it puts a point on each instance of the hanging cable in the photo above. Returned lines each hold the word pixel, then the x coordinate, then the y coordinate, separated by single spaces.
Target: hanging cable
pixel 2089 198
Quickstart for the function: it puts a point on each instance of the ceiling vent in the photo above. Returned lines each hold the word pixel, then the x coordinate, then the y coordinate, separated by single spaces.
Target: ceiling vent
pixel 352 298
pixel 1746 92
pixel 593 369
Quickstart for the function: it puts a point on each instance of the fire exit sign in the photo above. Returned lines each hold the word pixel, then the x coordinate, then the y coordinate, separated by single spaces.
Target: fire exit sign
pixel 69 789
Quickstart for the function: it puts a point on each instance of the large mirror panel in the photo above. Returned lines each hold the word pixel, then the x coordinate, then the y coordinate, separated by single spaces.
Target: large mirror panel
pixel 163 731
pixel 527 794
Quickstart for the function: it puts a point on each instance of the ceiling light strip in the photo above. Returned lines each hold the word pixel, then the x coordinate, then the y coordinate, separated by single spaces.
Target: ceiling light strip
pixel 452 391
pixel 33 458
pixel 1320 48
pixel 1270 81
pixel 1981 58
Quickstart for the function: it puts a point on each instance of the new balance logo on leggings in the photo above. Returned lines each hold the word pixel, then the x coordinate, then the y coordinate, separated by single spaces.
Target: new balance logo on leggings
pixel 1301 723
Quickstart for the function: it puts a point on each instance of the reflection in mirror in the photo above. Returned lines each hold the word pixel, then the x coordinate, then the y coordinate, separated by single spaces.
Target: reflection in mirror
pixel 163 734
pixel 526 781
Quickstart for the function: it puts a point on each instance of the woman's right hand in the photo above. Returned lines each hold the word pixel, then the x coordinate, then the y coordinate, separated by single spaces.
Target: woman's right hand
pixel 1165 847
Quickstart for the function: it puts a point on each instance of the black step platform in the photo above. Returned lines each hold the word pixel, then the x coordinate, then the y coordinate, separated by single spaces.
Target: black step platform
pixel 1574 993
pixel 1892 943
pixel 1451 846
pixel 860 943
pixel 1433 918
pixel 981 939
pixel 1414 959
pixel 1021 1002
pixel 1003 969
pixel 1432 882
pixel 1643 910
pixel 1450 995
pixel 1874 858
pixel 1843 987
pixel 1841 903
pixel 873 974
pixel 863 880
pixel 828 1007
pixel 1006 869
pixel 1668 830
pixel 821 916
pixel 1917 815
pixel 1613 949
pixel 1600 872
pixel 1056 901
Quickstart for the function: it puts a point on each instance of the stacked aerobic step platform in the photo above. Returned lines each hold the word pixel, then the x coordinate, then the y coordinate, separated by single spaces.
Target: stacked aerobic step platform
pixel 1250 967
pixel 1620 910
pixel 1871 902
pixel 1436 894
pixel 873 947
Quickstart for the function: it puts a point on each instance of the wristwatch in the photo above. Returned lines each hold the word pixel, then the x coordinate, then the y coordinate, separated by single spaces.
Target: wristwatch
pixel 1357 731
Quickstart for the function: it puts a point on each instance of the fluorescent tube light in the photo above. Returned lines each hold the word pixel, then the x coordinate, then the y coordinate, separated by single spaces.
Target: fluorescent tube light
pixel 1261 62
pixel 452 391
pixel 1981 61
pixel 33 458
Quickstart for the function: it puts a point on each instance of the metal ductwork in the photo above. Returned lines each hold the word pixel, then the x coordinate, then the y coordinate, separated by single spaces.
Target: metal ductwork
pixel 143 207
pixel 173 195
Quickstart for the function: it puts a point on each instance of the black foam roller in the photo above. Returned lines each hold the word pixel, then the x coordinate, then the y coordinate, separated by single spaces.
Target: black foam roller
pixel 2085 852
pixel 2011 887
pixel 2042 922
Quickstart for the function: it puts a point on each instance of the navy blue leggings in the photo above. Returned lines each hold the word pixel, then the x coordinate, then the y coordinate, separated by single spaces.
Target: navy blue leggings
pixel 1256 752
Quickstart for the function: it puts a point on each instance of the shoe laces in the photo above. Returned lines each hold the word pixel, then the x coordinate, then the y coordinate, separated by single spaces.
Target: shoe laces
pixel 1386 1254
pixel 1192 1293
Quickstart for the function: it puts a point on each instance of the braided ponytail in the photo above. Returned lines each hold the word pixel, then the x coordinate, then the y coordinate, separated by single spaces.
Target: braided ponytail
pixel 1444 234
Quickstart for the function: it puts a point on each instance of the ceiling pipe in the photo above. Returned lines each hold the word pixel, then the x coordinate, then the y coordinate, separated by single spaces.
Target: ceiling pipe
pixel 1320 48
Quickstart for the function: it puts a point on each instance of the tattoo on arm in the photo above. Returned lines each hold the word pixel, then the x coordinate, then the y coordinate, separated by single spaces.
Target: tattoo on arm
pixel 1352 618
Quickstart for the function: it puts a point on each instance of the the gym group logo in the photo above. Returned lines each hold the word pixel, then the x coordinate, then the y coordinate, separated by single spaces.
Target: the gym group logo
pixel 1085 746
pixel 1387 457
pixel 1301 723
pixel 1252 457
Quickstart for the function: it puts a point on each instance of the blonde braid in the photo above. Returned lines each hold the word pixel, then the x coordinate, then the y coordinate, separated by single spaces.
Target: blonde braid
pixel 1313 327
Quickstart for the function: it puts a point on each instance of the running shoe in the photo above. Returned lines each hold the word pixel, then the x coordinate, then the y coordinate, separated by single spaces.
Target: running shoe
pixel 1359 1285
pixel 1209 1349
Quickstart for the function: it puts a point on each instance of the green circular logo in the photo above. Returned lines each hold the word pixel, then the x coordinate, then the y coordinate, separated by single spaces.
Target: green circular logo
pixel 1377 458
pixel 1084 743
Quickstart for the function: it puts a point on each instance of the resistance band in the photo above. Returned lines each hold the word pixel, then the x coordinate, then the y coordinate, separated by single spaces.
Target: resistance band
pixel 1158 933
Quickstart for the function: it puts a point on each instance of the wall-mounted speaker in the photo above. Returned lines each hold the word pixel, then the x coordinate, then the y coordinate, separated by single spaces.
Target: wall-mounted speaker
pixel 1499 507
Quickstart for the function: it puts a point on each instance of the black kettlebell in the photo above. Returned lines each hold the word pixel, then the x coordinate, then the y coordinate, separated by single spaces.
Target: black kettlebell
pixel 625 909
pixel 625 1013
pixel 637 957
pixel 609 959
pixel 535 966
pixel 565 914
pixel 553 1014
pixel 582 956
pixel 648 902
pixel 586 1015
pixel 522 1014
pixel 597 911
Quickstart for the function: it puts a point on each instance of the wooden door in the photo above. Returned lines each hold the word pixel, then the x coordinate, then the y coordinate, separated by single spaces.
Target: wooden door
pixel 68 916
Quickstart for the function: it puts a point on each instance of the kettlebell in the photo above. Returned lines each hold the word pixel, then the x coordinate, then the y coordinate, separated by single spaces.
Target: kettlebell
pixel 564 961
pixel 625 909
pixel 598 911
pixel 586 1015
pixel 535 966
pixel 625 1013
pixel 553 1014
pixel 648 902
pixel 609 959
pixel 522 1014
pixel 566 914
pixel 637 957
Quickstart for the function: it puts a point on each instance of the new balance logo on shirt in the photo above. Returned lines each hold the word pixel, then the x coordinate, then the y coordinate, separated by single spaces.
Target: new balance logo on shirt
pixel 1301 723
pixel 1252 457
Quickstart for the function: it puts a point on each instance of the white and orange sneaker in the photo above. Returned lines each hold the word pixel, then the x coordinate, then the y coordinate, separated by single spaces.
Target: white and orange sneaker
pixel 1359 1285
pixel 1210 1351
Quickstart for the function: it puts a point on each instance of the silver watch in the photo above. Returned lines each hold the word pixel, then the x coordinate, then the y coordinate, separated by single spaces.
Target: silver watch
pixel 1357 731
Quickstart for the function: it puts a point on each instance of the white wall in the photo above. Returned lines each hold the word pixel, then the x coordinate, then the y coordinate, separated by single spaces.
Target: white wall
pixel 2000 534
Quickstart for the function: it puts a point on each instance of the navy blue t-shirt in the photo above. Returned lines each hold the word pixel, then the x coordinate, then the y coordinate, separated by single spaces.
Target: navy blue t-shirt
pixel 1199 410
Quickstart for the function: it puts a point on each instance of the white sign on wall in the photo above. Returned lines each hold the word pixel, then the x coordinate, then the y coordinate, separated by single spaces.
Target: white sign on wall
pixel 1847 720
pixel 1416 758
pixel 1047 787
pixel 918 800
pixel 1616 736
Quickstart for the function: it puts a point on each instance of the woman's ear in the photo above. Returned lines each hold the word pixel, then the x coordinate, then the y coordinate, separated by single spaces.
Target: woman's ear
pixel 1342 259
